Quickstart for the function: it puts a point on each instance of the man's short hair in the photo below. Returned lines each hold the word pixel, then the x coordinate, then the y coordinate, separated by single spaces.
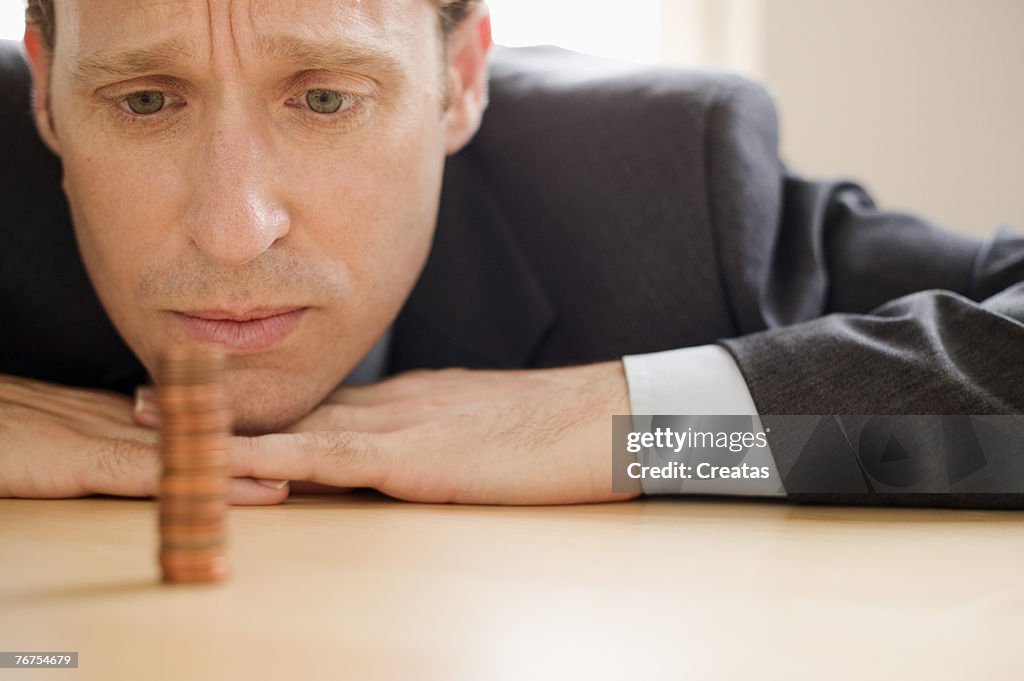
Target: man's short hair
pixel 39 13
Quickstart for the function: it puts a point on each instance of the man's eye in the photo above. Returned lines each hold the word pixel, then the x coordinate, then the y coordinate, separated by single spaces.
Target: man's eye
pixel 325 101
pixel 145 103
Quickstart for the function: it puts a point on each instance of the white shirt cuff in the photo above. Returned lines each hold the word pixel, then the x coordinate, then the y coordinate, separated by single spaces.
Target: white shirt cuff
pixel 698 381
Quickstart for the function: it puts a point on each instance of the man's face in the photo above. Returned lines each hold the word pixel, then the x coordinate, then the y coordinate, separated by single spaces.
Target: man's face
pixel 259 174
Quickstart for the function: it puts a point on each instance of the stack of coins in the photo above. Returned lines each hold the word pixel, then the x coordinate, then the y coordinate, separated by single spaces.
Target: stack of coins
pixel 195 429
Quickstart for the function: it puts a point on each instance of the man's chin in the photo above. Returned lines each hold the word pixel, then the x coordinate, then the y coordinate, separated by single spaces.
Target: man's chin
pixel 259 410
pixel 262 420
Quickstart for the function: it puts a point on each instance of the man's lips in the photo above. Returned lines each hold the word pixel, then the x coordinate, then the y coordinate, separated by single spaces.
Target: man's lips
pixel 241 331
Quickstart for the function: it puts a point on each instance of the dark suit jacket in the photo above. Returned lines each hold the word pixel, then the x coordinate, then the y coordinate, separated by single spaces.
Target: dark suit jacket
pixel 603 210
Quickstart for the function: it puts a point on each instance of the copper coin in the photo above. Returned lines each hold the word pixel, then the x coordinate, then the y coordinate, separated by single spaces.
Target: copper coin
pixel 194 485
pixel 176 530
pixel 195 468
pixel 195 427
pixel 202 453
pixel 189 371
pixel 195 465
pixel 211 571
pixel 202 403
pixel 182 426
pixel 205 422
pixel 191 364
pixel 191 544
pixel 192 374
pixel 171 535
pixel 189 557
pixel 181 443
pixel 191 422
pixel 175 502
pixel 194 514
pixel 188 482
pixel 186 394
pixel 206 448
pixel 194 557
pixel 192 509
pixel 194 400
pixel 187 518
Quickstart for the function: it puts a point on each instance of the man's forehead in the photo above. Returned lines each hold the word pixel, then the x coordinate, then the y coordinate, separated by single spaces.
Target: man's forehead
pixel 108 26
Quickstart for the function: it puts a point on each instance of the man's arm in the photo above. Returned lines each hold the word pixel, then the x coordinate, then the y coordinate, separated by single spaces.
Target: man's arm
pixel 842 308
pixel 932 352
pixel 60 442
pixel 543 436
pixel 458 436
pixel 863 311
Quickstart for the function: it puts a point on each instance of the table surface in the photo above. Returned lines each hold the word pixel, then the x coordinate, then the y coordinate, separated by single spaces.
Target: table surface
pixel 363 587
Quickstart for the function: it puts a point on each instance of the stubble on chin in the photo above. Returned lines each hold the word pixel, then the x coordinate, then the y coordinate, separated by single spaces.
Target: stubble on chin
pixel 273 407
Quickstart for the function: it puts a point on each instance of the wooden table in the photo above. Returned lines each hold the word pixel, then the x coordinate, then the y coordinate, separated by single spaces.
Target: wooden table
pixel 362 587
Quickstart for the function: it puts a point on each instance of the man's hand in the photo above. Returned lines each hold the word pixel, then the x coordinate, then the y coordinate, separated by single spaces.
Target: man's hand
pixel 68 442
pixel 488 437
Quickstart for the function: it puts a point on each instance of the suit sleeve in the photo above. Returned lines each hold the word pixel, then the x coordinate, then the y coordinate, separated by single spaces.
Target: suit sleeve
pixel 846 309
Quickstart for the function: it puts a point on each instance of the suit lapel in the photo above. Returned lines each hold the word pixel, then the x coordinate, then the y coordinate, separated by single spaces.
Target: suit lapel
pixel 478 302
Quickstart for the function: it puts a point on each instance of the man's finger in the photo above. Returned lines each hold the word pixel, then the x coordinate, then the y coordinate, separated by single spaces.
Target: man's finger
pixel 133 469
pixel 249 492
pixel 145 411
pixel 340 459
pixel 303 487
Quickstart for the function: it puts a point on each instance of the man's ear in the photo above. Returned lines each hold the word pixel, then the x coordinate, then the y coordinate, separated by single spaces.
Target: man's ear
pixel 469 45
pixel 39 62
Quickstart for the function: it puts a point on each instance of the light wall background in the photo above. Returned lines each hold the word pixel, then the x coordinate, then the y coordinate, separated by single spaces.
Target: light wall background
pixel 923 100
pixel 920 100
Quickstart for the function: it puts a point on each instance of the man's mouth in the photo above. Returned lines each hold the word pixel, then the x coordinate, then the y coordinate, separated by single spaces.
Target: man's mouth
pixel 241 330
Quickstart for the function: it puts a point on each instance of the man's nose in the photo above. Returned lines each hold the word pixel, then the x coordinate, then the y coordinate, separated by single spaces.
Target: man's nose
pixel 235 213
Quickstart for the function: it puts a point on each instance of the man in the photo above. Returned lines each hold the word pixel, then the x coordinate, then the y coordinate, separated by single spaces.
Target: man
pixel 267 179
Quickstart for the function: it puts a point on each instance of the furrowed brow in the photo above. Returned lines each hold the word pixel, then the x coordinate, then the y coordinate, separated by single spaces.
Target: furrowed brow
pixel 103 65
pixel 326 55
pixel 308 54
